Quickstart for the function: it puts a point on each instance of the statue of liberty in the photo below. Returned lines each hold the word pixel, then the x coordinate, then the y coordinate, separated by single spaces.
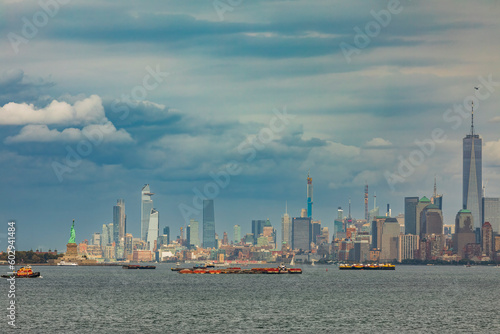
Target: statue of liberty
pixel 72 234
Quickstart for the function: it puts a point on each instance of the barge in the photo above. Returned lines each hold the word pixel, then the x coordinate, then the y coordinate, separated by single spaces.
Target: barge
pixel 136 266
pixel 376 266
pixel 236 270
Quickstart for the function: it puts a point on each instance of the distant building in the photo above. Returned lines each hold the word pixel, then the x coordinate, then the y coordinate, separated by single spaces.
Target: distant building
pixel 257 229
pixel 96 239
pixel 472 176
pixel 315 231
pixel 464 232
pixel 376 231
pixel 128 245
pixel 209 224
pixel 309 196
pixel 154 229
pixel 300 233
pixel 193 233
pixel 491 212
pixel 407 246
pixel 119 220
pixel 411 215
pixel 286 229
pixel 237 234
pixel 303 213
pixel 487 240
pixel 422 204
pixel 146 207
pixel 166 231
pixel 361 251
pixel 142 256
pixel 431 220
pixel 269 232
pixel 389 239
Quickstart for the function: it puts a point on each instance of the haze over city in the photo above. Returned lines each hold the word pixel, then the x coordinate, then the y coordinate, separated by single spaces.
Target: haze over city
pixel 183 93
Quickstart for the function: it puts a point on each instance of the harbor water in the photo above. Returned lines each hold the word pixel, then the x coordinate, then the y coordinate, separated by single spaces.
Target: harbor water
pixel 418 299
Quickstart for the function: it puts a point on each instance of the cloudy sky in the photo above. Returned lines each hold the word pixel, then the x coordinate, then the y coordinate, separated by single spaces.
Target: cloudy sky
pixel 98 98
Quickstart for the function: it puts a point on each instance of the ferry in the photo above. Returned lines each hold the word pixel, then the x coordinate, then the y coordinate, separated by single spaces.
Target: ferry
pixel 23 272
pixel 64 263
pixel 376 266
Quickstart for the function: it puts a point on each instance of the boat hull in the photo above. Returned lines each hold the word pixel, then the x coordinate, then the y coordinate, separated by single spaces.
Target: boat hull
pixel 34 275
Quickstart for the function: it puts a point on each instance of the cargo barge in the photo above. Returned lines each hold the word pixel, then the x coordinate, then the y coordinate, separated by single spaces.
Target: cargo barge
pixel 376 266
pixel 236 270
pixel 136 266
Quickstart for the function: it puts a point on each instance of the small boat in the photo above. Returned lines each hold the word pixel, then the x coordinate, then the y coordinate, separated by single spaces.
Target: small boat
pixel 136 266
pixel 64 263
pixel 23 272
pixel 292 263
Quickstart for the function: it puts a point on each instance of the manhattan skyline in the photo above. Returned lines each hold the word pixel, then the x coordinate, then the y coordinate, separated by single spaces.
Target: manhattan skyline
pixel 207 90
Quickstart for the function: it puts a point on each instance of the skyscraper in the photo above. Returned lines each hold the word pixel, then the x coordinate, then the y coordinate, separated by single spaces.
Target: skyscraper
pixel 119 221
pixel 301 233
pixel 472 174
pixel 209 224
pixel 146 207
pixel 411 215
pixel 237 234
pixel 464 231
pixel 193 233
pixel 286 229
pixel 166 231
pixel 153 230
pixel 491 212
pixel 257 229
pixel 309 196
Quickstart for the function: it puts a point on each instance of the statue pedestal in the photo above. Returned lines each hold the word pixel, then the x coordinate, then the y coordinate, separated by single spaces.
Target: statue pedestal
pixel 71 251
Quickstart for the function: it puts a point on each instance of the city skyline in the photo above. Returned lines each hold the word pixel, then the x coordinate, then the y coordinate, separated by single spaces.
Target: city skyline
pixel 242 107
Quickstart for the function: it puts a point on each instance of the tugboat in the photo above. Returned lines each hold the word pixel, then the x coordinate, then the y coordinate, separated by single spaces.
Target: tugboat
pixel 23 272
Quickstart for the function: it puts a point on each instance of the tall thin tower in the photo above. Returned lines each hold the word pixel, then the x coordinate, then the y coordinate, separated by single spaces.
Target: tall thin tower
pixel 472 173
pixel 309 196
pixel 146 207
pixel 366 202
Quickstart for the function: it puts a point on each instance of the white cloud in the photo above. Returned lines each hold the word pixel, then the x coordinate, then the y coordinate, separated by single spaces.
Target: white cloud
pixel 378 142
pixel 96 133
pixel 491 152
pixel 86 111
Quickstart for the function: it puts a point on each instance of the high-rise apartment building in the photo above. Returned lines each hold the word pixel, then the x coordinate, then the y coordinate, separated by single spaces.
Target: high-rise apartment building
pixel 209 224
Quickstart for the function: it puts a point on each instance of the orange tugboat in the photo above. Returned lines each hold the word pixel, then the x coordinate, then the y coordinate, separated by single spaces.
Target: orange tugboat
pixel 23 272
